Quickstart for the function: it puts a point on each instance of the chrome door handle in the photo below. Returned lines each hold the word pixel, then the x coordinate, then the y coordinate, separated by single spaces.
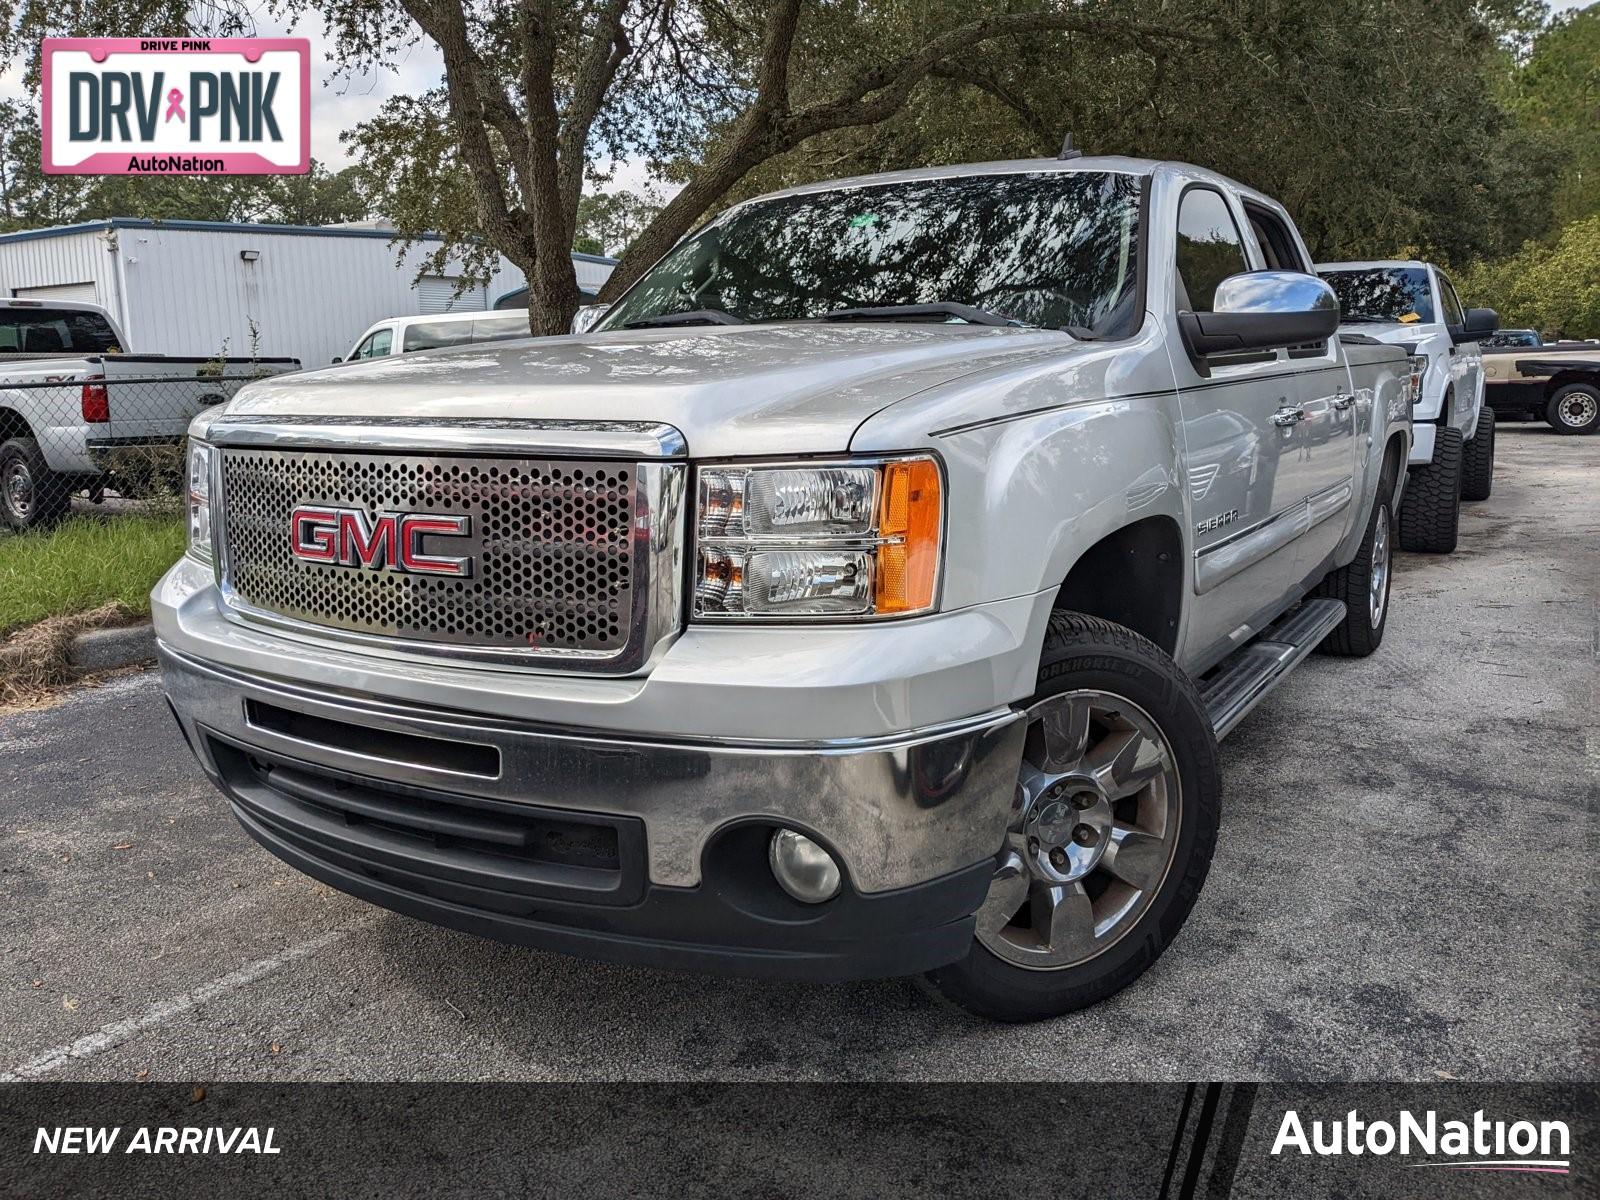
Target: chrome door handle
pixel 1288 416
pixel 1342 401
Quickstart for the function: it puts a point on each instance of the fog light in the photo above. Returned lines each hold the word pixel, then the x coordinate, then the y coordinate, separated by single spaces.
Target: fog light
pixel 804 869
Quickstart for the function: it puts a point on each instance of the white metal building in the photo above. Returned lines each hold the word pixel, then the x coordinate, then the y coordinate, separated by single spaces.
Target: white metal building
pixel 193 287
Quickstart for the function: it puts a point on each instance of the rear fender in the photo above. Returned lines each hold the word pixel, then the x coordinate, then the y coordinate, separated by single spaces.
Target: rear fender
pixel 1383 440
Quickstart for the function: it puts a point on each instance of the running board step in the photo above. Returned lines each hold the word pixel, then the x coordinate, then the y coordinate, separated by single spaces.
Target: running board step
pixel 1244 678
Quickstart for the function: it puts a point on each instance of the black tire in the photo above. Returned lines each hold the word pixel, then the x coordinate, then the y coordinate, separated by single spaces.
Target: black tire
pixel 1477 459
pixel 1359 634
pixel 31 495
pixel 1574 409
pixel 1086 652
pixel 1430 513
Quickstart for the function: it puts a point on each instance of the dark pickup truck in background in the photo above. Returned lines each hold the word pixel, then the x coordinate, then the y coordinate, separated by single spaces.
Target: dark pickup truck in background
pixel 1527 377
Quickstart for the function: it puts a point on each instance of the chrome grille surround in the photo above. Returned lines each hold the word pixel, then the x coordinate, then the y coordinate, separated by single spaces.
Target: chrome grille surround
pixel 577 560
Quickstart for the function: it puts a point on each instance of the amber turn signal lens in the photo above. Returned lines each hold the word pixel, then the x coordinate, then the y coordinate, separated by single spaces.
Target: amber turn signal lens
pixel 909 520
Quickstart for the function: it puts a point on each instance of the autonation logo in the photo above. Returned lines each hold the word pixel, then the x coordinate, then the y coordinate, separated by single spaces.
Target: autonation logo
pixel 1480 1144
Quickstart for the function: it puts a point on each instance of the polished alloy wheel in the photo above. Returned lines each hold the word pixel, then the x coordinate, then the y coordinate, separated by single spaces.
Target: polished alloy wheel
pixel 18 488
pixel 1095 828
pixel 1378 577
pixel 1578 410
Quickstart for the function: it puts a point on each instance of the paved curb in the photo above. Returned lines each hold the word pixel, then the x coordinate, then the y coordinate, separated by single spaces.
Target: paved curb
pixel 109 649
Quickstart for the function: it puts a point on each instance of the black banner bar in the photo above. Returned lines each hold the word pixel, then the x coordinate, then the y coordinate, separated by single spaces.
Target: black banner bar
pixel 1163 1141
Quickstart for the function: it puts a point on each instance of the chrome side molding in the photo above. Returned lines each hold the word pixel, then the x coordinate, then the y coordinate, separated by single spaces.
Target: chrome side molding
pixel 1218 563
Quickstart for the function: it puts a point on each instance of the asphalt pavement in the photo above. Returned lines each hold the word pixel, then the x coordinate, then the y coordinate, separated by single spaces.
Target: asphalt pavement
pixel 1403 889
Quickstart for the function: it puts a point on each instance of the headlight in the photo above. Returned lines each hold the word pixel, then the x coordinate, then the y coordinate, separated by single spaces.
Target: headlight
pixel 1419 368
pixel 850 539
pixel 200 500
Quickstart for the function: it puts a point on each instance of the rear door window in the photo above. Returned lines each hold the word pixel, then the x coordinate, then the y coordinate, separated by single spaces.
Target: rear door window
pixel 493 328
pixel 436 335
pixel 1278 248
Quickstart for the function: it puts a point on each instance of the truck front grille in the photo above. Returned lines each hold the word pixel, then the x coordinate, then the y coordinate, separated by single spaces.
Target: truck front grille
pixel 553 547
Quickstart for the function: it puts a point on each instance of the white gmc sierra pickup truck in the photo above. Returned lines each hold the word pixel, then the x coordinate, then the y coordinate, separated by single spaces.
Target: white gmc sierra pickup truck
pixel 865 595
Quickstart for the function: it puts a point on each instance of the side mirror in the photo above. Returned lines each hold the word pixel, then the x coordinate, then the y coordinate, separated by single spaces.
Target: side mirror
pixel 1479 324
pixel 1262 310
pixel 336 360
pixel 588 316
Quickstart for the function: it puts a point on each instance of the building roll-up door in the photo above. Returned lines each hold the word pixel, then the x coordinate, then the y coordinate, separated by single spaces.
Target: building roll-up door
pixel 78 293
pixel 436 294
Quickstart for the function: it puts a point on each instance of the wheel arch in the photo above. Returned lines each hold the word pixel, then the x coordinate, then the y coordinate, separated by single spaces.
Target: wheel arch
pixel 1563 378
pixel 13 424
pixel 1133 576
pixel 1394 457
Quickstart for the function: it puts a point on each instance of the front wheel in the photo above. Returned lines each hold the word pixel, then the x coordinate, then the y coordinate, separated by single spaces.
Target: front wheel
pixel 1114 824
pixel 1574 409
pixel 1430 510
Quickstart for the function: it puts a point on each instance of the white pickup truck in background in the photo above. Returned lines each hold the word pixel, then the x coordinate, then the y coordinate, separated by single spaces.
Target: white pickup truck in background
pixel 1414 304
pixel 77 412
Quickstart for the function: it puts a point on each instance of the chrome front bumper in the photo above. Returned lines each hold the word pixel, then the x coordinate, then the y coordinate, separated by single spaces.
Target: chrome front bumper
pixel 897 811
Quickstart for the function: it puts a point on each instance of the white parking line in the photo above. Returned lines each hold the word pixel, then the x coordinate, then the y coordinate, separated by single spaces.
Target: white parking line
pixel 108 1037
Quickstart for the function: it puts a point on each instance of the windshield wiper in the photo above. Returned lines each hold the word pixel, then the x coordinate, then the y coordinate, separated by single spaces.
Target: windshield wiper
pixel 1368 318
pixel 694 316
pixel 918 312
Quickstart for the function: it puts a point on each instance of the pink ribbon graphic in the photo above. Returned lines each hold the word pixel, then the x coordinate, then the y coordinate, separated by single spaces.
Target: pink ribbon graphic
pixel 175 105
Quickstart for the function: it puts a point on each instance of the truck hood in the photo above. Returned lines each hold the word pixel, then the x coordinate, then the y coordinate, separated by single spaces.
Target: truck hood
pixel 731 390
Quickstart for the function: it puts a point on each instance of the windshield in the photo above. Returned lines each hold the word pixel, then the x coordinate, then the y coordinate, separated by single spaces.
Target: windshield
pixel 1052 249
pixel 1390 293
pixel 54 331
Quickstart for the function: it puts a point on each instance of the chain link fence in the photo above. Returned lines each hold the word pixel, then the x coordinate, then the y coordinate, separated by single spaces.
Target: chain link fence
pixel 112 443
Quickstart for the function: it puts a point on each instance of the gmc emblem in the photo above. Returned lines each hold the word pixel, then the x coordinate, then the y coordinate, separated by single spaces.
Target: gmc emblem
pixel 389 541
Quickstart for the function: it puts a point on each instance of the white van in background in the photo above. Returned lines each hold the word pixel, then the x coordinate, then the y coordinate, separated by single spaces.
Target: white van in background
pixel 406 335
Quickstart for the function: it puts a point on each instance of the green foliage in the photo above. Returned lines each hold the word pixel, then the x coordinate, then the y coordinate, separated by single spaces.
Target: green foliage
pixel 85 562
pixel 1461 130
pixel 1370 120
pixel 1554 289
pixel 609 221
pixel 1556 95
pixel 408 167
pixel 1551 282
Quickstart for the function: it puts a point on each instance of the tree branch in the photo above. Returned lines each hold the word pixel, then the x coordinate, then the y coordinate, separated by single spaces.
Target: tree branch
pixel 446 23
pixel 607 50
pixel 768 128
pixel 881 90
pixel 990 86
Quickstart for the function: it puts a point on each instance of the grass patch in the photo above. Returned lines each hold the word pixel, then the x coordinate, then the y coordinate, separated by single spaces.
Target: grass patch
pixel 83 563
